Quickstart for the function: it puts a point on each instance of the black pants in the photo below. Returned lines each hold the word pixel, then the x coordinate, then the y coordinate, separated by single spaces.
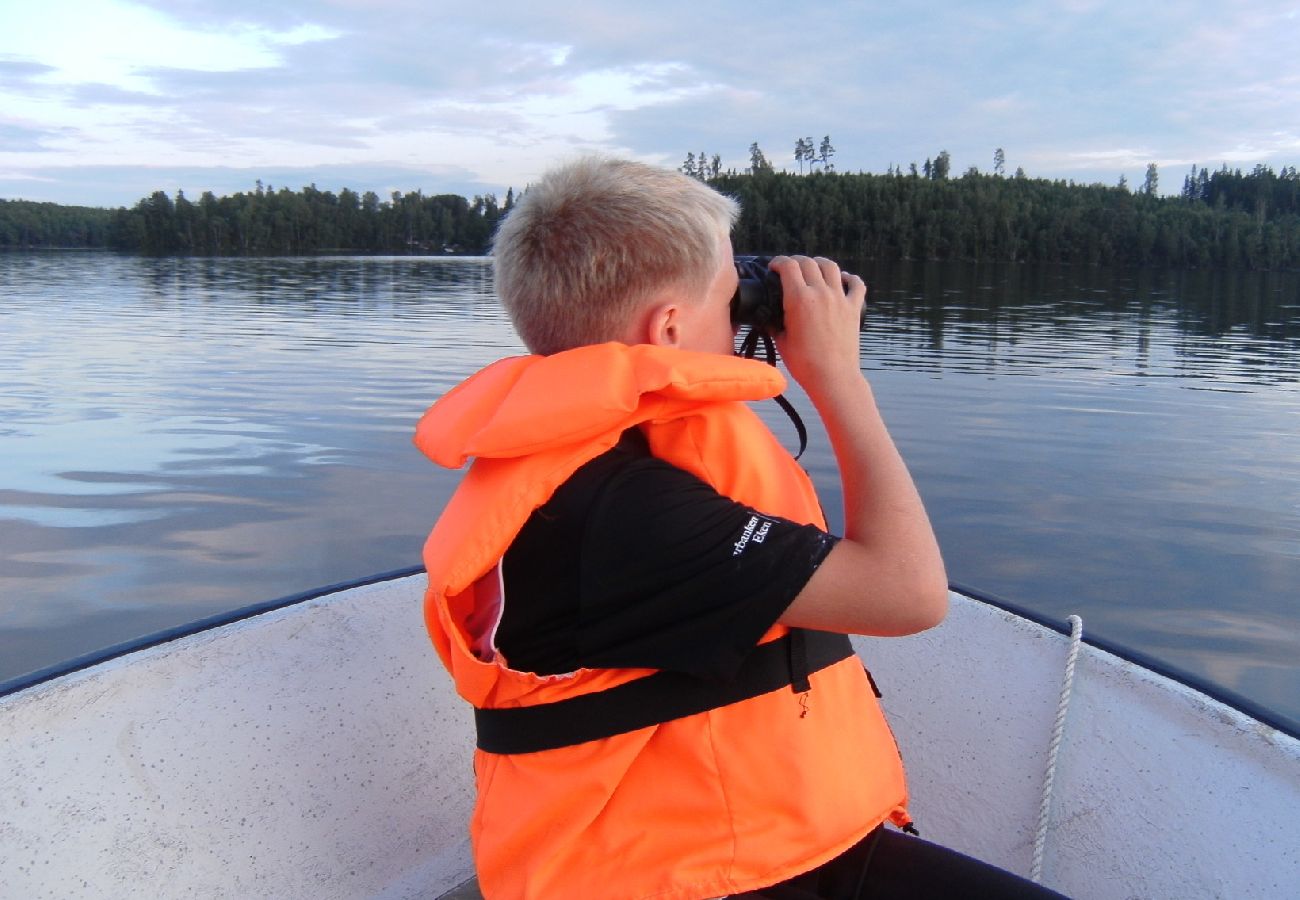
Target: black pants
pixel 891 864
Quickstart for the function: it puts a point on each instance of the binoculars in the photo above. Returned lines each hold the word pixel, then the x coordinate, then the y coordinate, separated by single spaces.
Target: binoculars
pixel 757 301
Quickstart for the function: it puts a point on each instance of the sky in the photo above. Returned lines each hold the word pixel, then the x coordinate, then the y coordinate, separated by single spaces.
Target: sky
pixel 103 102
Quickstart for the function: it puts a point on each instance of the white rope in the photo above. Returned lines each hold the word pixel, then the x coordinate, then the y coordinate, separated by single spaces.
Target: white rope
pixel 1058 729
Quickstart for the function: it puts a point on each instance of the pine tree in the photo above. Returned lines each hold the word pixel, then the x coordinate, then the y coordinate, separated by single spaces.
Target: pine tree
pixel 1152 183
pixel 800 152
pixel 941 164
pixel 825 152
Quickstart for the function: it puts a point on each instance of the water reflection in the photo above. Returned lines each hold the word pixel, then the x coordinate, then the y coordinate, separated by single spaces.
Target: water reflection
pixel 1222 328
pixel 184 436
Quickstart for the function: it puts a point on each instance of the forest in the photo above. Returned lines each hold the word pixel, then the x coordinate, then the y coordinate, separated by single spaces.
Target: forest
pixel 264 221
pixel 25 224
pixel 1221 219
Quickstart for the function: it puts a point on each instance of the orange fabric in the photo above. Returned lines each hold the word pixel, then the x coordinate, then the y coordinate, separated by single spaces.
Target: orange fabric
pixel 722 802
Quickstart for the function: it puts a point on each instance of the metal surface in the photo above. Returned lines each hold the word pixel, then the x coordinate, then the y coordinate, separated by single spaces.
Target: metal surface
pixel 313 751
pixel 317 750
pixel 1160 791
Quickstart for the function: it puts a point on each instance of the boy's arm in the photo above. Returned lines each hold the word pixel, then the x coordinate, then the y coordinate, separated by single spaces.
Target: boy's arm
pixel 886 577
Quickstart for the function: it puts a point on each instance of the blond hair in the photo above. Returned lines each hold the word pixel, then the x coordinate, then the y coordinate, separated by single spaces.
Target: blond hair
pixel 589 244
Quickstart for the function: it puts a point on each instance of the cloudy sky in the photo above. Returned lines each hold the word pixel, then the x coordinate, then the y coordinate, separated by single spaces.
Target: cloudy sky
pixel 105 101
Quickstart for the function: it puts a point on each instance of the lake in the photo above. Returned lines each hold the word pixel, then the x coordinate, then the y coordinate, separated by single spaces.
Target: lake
pixel 180 437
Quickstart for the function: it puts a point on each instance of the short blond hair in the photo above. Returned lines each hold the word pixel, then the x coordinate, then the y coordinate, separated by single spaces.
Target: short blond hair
pixel 593 240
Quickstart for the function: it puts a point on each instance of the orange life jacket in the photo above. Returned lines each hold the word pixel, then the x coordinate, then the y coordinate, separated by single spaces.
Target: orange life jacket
pixel 730 799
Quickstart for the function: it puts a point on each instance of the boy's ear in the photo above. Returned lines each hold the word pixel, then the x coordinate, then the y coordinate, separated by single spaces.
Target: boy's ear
pixel 662 325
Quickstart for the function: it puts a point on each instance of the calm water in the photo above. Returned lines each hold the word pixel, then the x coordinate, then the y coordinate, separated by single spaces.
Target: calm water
pixel 181 437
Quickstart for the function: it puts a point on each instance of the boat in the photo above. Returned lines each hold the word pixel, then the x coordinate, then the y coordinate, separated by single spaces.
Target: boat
pixel 313 747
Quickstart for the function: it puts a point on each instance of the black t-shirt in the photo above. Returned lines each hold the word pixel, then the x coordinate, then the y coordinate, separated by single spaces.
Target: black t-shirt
pixel 636 563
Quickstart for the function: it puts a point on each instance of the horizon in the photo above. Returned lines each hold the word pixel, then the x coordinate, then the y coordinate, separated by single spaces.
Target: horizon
pixel 270 187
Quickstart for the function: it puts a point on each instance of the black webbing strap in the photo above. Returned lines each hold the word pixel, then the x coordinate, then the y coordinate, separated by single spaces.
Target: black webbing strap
pixel 657 698
pixel 748 349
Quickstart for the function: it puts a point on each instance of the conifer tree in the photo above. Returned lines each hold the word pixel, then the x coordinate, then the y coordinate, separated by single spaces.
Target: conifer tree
pixel 939 171
pixel 1152 183
pixel 824 154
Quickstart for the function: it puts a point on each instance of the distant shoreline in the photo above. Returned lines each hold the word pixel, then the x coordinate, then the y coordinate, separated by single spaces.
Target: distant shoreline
pixel 1221 220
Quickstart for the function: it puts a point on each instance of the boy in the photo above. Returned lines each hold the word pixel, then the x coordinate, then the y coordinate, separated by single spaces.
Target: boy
pixel 634 585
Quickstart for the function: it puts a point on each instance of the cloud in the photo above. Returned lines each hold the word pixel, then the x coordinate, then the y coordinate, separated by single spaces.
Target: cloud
pixel 111 40
pixel 1120 157
pixel 23 139
pixel 100 94
pixel 1070 88
pixel 1012 104
pixel 1285 144
pixel 21 71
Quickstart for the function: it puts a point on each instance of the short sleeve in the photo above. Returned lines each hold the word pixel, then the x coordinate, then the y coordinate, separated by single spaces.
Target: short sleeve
pixel 674 575
pixel 635 563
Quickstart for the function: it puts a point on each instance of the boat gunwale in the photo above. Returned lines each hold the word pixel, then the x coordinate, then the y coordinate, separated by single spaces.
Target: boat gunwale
pixel 198 626
pixel 1230 698
pixel 1273 719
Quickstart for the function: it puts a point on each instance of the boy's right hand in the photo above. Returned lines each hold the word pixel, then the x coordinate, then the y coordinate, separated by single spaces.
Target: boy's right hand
pixel 886 577
pixel 823 309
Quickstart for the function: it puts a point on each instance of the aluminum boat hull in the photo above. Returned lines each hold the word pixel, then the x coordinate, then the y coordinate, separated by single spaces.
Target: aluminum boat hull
pixel 317 749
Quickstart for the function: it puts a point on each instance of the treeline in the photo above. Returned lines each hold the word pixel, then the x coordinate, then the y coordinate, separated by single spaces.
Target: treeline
pixel 1224 219
pixel 267 221
pixel 1230 221
pixel 24 223
pixel 262 221
pixel 1260 192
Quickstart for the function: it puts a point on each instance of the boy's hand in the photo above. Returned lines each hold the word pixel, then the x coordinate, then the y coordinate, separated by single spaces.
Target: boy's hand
pixel 823 308
pixel 886 577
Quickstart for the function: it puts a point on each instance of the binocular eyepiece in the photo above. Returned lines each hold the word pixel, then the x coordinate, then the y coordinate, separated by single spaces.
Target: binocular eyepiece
pixel 757 301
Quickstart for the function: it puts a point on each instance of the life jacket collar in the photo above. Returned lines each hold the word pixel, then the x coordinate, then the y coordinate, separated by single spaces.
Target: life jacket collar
pixel 523 405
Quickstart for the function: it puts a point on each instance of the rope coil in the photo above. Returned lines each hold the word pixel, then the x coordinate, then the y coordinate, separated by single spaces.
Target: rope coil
pixel 1058 730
